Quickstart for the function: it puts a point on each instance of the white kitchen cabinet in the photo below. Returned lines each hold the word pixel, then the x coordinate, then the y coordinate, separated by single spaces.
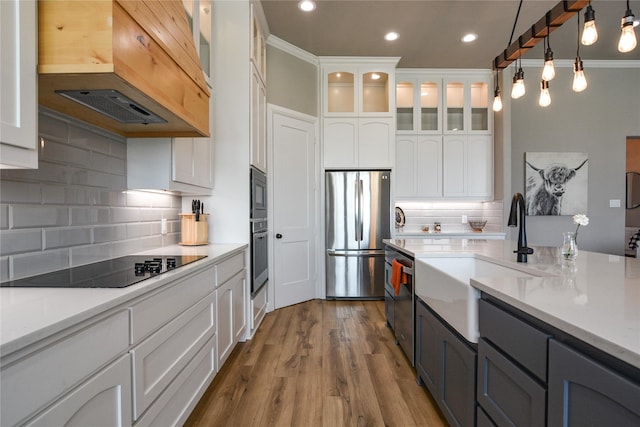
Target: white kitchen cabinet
pixel 200 19
pixel 18 103
pixel 174 164
pixel 44 376
pixel 231 304
pixel 418 172
pixel 258 46
pixel 258 308
pixel 358 142
pixel 102 400
pixel 444 142
pixel 358 87
pixel 358 112
pixel 258 121
pixel 466 104
pixel 418 102
pixel 468 166
pixel 158 360
pixel 231 315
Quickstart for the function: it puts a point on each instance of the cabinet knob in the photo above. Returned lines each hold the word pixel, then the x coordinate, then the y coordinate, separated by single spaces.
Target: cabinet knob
pixel 278 236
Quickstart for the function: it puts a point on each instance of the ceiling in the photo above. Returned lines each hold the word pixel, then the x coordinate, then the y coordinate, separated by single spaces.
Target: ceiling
pixel 430 30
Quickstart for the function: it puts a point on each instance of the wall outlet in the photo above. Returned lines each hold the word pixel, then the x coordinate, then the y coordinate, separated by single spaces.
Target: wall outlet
pixel 163 226
pixel 464 219
pixel 614 203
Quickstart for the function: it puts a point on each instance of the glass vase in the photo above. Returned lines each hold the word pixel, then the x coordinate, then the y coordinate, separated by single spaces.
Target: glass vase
pixel 569 246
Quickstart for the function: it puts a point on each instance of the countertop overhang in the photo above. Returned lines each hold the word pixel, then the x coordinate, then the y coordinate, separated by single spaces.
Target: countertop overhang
pixel 595 298
pixel 28 315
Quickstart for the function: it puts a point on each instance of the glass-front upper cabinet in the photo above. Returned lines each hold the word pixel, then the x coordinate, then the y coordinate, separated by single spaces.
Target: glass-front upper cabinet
pixel 455 102
pixel 467 105
pixel 404 106
pixel 429 106
pixel 375 92
pixel 200 18
pixel 418 105
pixel 479 106
pixel 341 92
pixel 358 88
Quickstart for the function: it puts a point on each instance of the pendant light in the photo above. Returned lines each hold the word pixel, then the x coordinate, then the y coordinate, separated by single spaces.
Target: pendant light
pixel 579 80
pixel 545 96
pixel 549 71
pixel 497 97
pixel 518 90
pixel 589 32
pixel 628 40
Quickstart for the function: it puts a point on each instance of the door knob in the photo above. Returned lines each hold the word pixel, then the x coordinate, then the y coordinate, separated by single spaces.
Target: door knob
pixel 278 236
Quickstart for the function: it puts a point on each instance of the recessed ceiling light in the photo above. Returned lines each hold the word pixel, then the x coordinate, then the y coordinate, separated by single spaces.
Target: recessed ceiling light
pixel 375 76
pixel 391 36
pixel 468 38
pixel 307 5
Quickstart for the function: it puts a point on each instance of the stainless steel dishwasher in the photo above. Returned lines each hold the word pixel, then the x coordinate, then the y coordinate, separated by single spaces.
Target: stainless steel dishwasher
pixel 399 308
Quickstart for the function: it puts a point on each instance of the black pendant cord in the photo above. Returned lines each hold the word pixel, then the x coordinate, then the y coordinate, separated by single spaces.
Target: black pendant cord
pixel 516 21
pixel 578 48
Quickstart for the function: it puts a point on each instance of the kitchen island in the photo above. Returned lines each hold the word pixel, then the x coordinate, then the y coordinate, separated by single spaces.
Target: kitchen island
pixel 557 342
pixel 142 354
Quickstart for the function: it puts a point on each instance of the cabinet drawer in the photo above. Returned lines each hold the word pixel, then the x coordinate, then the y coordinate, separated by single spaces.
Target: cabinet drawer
pixel 153 312
pixel 228 268
pixel 159 358
pixel 518 339
pixel 508 395
pixel 175 404
pixel 46 374
pixel 584 392
pixel 103 400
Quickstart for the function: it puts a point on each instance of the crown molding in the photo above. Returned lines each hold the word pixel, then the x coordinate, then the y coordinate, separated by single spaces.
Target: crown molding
pixel 287 47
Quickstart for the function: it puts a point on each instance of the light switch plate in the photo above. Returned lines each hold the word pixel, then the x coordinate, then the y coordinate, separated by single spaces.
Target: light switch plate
pixel 163 226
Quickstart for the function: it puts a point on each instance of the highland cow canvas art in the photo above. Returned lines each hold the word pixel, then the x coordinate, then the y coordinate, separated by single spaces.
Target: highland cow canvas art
pixel 556 183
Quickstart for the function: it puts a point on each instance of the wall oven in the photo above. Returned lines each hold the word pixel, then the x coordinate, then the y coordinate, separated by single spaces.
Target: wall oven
pixel 258 194
pixel 259 231
pixel 259 255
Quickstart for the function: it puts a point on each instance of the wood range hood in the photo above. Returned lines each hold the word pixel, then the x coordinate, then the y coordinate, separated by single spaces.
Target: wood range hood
pixel 128 58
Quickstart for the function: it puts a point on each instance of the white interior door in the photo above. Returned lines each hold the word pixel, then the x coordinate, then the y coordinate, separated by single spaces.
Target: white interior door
pixel 294 208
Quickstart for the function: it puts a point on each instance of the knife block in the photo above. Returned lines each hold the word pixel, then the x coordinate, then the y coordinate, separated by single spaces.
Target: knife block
pixel 194 232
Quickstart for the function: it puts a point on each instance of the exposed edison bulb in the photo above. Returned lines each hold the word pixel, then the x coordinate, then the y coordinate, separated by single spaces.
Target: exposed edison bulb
pixel 518 90
pixel 579 80
pixel 545 96
pixel 497 101
pixel 589 31
pixel 627 40
pixel 549 71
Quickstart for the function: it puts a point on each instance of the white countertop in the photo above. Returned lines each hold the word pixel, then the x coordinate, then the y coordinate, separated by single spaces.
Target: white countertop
pixel 595 298
pixel 418 234
pixel 30 314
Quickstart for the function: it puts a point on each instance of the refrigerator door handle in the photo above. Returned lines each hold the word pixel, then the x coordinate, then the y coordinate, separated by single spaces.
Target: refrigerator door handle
pixel 360 208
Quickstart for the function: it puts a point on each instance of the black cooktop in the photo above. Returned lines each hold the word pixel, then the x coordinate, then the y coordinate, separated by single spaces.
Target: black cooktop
pixel 114 273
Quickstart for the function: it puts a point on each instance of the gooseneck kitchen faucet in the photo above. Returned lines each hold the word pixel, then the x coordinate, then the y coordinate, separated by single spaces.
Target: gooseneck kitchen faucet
pixel 523 250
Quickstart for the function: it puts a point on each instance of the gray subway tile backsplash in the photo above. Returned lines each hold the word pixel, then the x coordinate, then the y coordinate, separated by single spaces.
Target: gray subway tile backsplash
pixel 19 241
pixel 75 208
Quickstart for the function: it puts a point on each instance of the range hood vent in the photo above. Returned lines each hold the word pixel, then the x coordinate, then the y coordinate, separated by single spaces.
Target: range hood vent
pixel 113 104
pixel 129 67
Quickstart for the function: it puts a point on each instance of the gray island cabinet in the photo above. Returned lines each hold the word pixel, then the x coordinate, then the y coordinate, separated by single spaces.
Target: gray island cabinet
pixel 531 374
pixel 446 364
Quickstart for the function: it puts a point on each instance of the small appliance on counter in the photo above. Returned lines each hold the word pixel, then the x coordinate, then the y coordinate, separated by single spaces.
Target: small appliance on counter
pixel 194 226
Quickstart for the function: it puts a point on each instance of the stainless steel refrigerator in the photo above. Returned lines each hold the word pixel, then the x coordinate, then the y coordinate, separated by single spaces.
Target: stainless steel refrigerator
pixel 357 218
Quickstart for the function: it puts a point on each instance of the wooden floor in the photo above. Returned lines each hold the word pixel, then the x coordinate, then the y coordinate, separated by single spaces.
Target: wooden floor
pixel 319 363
